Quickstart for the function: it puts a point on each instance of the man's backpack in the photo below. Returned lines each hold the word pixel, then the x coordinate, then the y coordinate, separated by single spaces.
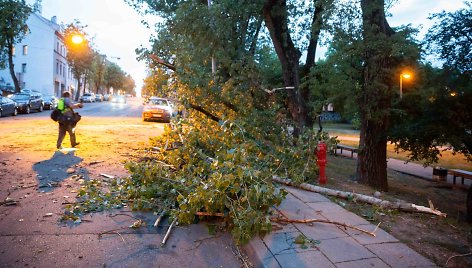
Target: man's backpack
pixel 57 113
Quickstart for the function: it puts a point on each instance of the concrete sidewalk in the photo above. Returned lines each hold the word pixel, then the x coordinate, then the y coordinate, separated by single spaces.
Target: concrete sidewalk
pixel 338 247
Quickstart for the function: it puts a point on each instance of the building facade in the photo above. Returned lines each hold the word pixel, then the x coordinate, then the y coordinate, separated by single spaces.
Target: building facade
pixel 40 62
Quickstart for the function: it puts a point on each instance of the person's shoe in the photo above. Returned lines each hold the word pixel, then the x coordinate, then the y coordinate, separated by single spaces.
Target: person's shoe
pixel 59 147
pixel 73 145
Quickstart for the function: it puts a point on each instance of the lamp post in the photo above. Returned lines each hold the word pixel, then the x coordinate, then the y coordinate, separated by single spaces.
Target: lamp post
pixel 406 76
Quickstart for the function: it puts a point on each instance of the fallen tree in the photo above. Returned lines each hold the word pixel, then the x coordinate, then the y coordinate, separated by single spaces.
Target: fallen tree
pixel 403 206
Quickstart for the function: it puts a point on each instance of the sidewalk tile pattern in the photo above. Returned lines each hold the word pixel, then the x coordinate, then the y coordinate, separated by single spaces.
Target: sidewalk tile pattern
pixel 337 246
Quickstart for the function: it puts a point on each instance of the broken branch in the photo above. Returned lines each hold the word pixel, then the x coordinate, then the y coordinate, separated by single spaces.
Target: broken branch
pixel 209 214
pixel 364 198
pixel 168 231
pixel 324 221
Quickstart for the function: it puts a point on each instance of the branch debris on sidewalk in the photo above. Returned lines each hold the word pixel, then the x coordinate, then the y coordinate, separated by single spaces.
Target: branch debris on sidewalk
pixel 403 206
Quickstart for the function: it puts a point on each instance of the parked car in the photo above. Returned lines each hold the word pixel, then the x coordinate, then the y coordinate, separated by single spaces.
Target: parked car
pixel 106 97
pixel 28 101
pixel 50 102
pixel 157 109
pixel 87 97
pixel 118 99
pixel 7 107
pixel 99 97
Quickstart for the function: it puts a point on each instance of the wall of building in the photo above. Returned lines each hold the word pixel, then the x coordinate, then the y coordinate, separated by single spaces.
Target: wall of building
pixel 44 67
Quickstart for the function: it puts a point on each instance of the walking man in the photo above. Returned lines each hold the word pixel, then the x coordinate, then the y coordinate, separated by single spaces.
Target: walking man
pixel 66 123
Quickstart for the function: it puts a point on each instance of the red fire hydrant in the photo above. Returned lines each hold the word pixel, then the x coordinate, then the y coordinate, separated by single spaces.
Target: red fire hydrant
pixel 321 161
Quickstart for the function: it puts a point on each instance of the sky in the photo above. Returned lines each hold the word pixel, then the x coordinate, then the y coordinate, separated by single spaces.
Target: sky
pixel 117 30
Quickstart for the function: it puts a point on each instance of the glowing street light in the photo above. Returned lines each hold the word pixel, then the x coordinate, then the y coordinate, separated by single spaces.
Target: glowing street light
pixel 406 76
pixel 77 39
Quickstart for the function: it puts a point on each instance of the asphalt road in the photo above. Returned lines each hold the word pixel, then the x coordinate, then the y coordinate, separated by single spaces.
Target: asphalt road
pixel 37 181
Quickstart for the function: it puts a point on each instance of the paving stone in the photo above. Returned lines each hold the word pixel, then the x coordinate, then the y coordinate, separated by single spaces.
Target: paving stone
pixel 306 196
pixel 293 208
pixel 284 243
pixel 305 259
pixel 259 254
pixel 286 228
pixel 374 263
pixel 320 231
pixel 337 213
pixel 380 235
pixel 326 207
pixel 344 249
pixel 292 203
pixel 399 255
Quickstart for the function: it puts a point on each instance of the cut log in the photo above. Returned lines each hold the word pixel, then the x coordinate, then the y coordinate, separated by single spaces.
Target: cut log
pixel 403 206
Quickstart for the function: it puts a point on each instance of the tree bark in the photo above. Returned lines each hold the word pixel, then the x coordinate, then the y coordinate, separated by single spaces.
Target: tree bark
pixel 374 100
pixel 315 30
pixel 11 66
pixel 276 19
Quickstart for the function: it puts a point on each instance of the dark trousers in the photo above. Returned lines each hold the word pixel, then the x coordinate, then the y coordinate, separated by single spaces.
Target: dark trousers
pixel 63 128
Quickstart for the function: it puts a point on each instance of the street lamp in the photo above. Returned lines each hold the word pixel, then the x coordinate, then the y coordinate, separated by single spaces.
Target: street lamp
pixel 406 76
pixel 77 39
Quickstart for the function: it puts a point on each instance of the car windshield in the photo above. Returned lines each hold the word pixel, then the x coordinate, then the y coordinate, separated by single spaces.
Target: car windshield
pixel 21 97
pixel 158 102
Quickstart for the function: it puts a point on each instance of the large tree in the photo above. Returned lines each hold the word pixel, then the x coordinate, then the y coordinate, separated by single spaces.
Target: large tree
pixel 276 17
pixel 98 72
pixel 114 77
pixel 79 53
pixel 376 93
pixel 13 28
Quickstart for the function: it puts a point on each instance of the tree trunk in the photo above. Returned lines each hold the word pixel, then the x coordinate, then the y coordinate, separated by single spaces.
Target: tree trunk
pixel 276 19
pixel 11 66
pixel 316 26
pixel 77 93
pixel 375 98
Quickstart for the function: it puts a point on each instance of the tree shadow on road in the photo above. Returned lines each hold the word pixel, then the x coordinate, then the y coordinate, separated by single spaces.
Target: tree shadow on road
pixel 53 171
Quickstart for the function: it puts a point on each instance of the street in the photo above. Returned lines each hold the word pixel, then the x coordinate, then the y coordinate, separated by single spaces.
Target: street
pixel 36 181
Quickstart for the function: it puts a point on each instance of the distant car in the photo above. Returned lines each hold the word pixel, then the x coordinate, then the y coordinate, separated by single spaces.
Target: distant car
pixel 118 99
pixel 50 102
pixel 28 101
pixel 88 97
pixel 157 109
pixel 99 97
pixel 7 107
pixel 106 97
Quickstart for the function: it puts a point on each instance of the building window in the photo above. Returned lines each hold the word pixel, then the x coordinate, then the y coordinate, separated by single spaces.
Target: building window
pixel 23 68
pixel 25 50
pixel 57 67
pixel 64 71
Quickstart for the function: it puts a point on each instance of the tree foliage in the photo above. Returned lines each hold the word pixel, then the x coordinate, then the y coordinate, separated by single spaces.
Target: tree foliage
pixel 114 77
pixel 79 55
pixel 13 28
pixel 155 83
pixel 451 37
pixel 435 115
pixel 235 137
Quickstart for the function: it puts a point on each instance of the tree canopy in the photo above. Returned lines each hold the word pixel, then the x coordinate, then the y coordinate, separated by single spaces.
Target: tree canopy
pixel 451 37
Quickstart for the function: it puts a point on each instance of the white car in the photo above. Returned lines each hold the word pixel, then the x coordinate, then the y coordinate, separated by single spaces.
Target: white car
pixel 88 97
